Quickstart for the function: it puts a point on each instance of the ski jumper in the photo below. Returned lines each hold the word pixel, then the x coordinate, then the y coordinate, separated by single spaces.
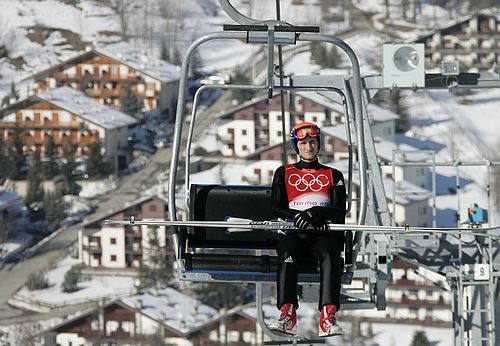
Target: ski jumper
pixel 321 190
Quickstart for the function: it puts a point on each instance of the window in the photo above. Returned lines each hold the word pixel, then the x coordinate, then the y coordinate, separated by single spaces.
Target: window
pixel 244 147
pixel 113 258
pixel 113 241
pixel 153 207
pixel 243 132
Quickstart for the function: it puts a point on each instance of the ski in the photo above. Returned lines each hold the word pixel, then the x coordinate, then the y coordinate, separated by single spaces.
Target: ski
pixel 245 225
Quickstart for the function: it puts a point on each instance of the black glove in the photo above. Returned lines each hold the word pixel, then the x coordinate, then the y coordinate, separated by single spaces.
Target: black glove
pixel 302 220
pixel 320 225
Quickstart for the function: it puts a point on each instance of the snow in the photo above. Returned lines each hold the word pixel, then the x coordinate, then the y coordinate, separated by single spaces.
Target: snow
pixel 13 244
pixel 95 188
pixel 440 121
pixel 389 334
pixel 468 132
pixel 178 310
pixel 86 107
pixel 385 334
pixel 230 174
pixel 139 61
pixel 90 289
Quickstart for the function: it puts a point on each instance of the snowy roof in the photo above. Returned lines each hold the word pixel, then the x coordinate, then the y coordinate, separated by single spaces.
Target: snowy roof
pixel 126 205
pixel 127 55
pixel 406 192
pixel 173 308
pixel 220 174
pixel 168 306
pixel 78 103
pixel 488 12
pixel 380 114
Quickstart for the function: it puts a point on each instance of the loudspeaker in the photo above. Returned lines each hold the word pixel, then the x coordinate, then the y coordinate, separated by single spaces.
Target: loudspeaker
pixel 404 65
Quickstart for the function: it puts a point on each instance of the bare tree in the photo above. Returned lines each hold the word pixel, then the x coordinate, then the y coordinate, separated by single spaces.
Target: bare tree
pixel 387 12
pixel 404 8
pixel 121 9
pixel 26 334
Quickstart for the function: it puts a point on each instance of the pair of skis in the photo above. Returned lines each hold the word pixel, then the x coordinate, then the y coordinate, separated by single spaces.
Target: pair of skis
pixel 245 225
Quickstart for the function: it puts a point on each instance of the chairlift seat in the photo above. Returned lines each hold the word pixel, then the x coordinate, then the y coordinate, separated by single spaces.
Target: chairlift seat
pixel 207 254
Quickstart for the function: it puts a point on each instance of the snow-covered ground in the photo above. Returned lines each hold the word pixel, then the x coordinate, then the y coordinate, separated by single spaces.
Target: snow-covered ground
pixel 90 289
pixel 469 130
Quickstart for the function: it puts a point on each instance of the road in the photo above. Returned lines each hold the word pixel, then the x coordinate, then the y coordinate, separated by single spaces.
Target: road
pixel 13 277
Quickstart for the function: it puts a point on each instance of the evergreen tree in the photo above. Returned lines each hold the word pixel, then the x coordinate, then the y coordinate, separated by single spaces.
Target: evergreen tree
pixel 50 168
pixel 223 295
pixel 35 192
pixel 3 160
pixel 16 159
pixel 71 280
pixel 241 95
pixel 395 101
pixel 129 102
pixel 420 339
pixel 13 95
pixel 324 56
pixel 69 163
pixel 157 271
pixel 37 281
pixel 196 64
pixel 176 59
pixel 398 106
pixel 164 53
pixel 53 205
pixel 95 163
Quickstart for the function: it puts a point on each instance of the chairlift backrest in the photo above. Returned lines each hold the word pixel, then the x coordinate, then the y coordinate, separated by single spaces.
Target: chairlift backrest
pixel 216 202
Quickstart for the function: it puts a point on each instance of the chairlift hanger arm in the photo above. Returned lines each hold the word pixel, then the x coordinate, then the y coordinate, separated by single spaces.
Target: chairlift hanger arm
pixel 277 28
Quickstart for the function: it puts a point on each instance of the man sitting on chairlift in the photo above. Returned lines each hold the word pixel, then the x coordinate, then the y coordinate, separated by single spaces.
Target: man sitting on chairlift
pixel 311 194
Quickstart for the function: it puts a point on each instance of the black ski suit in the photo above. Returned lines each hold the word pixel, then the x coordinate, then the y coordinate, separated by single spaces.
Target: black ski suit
pixel 325 247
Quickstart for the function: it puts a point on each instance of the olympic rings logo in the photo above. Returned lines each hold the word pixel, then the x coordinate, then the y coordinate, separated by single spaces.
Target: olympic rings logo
pixel 308 181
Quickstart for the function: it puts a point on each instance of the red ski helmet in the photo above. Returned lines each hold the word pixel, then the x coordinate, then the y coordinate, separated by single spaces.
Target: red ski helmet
pixel 302 130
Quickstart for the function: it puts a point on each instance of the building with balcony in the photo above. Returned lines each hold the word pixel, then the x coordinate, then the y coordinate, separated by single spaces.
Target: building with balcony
pixel 415 295
pixel 104 73
pixel 164 317
pixel 256 124
pixel 66 114
pixel 123 246
pixel 473 41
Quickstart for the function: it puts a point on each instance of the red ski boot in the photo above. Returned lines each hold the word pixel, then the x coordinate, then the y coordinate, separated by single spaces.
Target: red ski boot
pixel 328 322
pixel 287 322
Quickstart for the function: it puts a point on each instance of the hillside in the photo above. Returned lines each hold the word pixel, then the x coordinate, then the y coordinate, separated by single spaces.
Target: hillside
pixel 36 34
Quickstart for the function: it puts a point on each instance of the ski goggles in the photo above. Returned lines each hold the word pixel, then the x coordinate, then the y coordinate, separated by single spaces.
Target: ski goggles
pixel 305 129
